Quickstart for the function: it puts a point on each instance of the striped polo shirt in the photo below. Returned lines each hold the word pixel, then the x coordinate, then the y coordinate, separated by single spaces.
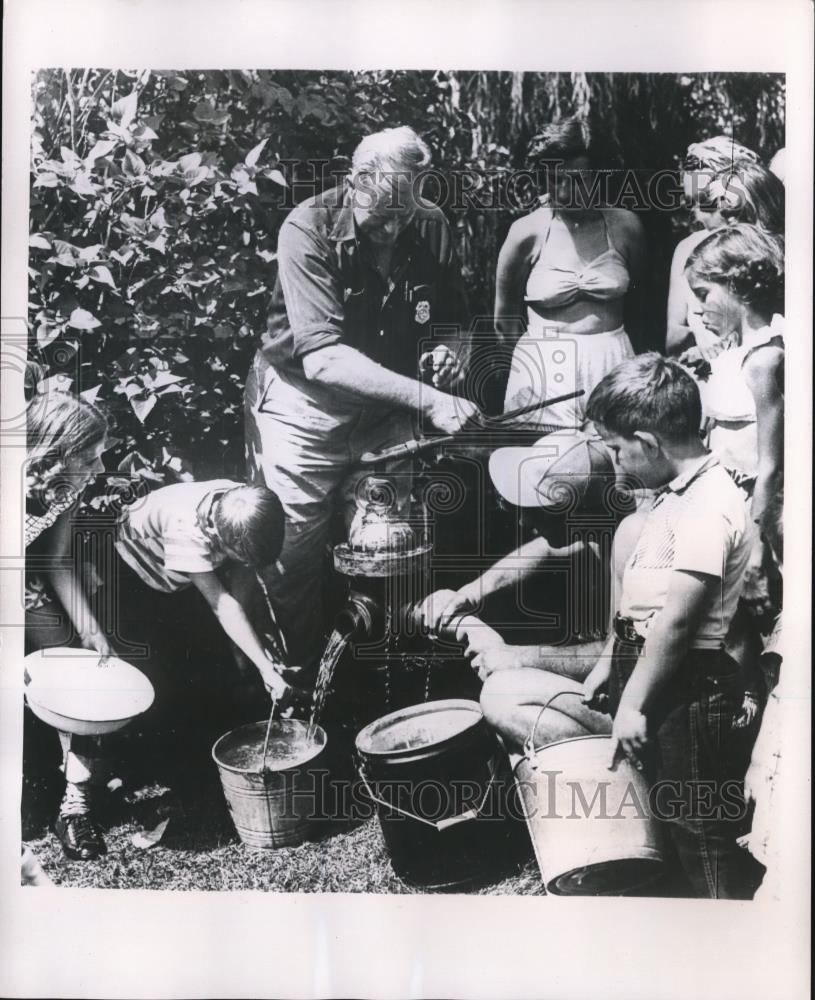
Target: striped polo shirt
pixel 698 523
pixel 167 535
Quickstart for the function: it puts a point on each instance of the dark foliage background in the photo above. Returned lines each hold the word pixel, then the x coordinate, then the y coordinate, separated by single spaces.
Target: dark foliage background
pixel 156 198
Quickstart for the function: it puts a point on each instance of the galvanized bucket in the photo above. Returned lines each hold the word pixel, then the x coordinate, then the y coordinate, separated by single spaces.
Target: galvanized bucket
pixel 591 828
pixel 272 805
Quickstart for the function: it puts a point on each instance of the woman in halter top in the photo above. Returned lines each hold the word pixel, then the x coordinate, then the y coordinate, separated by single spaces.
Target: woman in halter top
pixel 563 275
pixel 738 276
pixel 724 184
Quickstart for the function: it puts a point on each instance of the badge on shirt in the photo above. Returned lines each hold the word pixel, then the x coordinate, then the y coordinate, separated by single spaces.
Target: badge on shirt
pixel 422 312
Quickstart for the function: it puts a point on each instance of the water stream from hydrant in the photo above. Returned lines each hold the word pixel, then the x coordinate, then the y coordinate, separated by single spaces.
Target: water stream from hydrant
pixel 325 674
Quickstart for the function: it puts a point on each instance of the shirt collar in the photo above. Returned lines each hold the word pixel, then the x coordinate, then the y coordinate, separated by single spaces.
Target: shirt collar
pixel 344 228
pixel 684 479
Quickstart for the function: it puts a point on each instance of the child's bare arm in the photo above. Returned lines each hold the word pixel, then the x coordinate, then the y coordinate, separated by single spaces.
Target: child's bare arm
pixel 441 607
pixel 597 678
pixel 764 373
pixel 242 584
pixel 625 540
pixel 668 642
pixel 67 587
pixel 237 626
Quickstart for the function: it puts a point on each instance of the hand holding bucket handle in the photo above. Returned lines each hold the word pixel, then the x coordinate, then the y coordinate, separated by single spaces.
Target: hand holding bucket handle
pixel 629 737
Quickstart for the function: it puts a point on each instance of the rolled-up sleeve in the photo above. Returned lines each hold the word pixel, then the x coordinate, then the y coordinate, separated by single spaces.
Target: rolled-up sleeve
pixel 702 540
pixel 311 289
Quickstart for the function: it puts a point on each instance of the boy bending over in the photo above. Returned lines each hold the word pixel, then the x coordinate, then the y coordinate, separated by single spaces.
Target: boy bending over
pixel 181 534
pixel 178 536
pixel 664 677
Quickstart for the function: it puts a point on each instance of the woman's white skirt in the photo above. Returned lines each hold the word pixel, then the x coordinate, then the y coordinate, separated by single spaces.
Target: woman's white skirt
pixel 548 362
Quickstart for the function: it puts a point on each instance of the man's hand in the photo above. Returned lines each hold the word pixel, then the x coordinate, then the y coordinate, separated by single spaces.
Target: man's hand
pixel 629 736
pixel 438 608
pixel 451 414
pixel 447 367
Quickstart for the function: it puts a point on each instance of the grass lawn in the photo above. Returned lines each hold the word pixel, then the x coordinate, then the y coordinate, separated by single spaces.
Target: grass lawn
pixel 211 857
pixel 200 848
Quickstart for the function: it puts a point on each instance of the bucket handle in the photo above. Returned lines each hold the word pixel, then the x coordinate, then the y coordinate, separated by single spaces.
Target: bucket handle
pixel 442 824
pixel 529 745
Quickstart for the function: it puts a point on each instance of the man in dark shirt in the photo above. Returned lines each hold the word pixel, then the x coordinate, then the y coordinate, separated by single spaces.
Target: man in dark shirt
pixel 367 275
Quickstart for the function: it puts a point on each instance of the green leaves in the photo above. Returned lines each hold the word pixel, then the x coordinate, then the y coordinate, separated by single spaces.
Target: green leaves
pixel 277 177
pixel 143 406
pixel 47 333
pixel 123 111
pixel 99 150
pixel 92 395
pixel 206 112
pixel 102 275
pixel 81 319
pixel 253 155
pixel 158 243
pixel 153 241
pixel 192 169
pixel 46 179
pixel 243 182
pixel 81 184
pixel 133 165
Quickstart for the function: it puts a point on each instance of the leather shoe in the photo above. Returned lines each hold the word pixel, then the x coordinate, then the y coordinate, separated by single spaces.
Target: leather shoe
pixel 80 839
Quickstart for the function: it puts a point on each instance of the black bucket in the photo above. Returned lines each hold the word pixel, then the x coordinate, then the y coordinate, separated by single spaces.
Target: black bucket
pixel 436 774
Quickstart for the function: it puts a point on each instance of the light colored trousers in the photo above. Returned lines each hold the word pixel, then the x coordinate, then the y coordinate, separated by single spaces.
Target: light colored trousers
pixel 304 442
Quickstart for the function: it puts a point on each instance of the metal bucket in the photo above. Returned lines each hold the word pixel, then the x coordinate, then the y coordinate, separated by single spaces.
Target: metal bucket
pixel 591 828
pixel 275 805
pixel 431 769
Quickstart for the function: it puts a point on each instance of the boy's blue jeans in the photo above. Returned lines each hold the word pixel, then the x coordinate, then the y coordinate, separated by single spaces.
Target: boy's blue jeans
pixel 697 764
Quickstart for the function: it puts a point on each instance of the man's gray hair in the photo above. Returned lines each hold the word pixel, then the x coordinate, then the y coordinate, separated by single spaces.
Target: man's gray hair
pixel 398 151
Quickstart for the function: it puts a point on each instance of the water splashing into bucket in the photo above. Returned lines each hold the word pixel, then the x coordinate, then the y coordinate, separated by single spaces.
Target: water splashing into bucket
pixel 270 786
pixel 328 664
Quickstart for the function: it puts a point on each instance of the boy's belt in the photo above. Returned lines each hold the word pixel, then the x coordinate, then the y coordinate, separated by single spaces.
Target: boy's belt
pixel 625 631
pixel 712 661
